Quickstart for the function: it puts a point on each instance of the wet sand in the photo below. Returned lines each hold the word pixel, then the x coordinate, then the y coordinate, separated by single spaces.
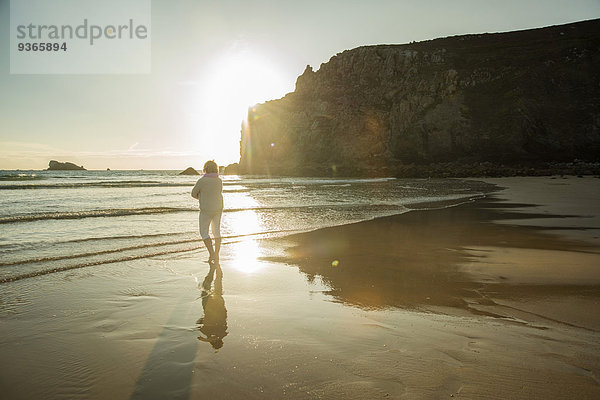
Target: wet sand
pixel 496 298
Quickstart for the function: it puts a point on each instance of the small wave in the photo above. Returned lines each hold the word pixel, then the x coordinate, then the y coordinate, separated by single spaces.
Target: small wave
pixel 100 184
pixel 339 185
pixel 124 237
pixel 303 182
pixel 94 253
pixel 247 185
pixel 90 214
pixel 120 255
pixel 236 190
pixel 413 187
pixel 135 247
pixel 20 177
pixel 98 239
pixel 444 202
pixel 164 210
pixel 92 263
pixel 341 206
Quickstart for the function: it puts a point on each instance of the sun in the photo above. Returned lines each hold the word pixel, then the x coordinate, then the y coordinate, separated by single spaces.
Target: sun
pixel 234 81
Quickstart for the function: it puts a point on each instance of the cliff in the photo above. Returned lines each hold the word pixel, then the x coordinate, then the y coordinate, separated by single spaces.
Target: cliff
pixel 525 97
pixel 63 166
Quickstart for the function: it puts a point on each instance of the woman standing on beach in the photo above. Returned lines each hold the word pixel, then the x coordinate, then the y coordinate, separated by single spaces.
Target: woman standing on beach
pixel 209 192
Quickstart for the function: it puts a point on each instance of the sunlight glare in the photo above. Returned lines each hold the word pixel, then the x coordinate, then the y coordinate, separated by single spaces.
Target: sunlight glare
pixel 236 81
pixel 247 251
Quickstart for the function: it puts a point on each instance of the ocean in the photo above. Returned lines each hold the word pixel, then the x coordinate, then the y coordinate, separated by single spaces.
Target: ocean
pixel 52 221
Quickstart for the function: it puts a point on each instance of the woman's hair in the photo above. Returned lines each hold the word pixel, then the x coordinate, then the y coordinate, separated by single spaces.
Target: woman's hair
pixel 211 166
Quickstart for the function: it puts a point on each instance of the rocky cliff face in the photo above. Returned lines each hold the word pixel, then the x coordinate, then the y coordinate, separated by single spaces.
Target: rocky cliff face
pixel 527 96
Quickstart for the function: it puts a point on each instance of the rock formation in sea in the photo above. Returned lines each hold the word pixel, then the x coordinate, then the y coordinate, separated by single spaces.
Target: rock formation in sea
pixel 516 98
pixel 189 171
pixel 64 166
pixel 231 169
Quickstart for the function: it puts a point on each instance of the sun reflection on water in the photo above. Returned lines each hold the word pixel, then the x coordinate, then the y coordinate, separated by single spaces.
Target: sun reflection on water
pixel 245 256
pixel 245 252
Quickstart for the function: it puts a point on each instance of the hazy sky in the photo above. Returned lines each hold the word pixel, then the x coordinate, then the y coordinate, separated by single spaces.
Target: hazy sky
pixel 212 59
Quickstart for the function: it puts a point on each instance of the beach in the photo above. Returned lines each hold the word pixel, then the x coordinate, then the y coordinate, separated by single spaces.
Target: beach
pixel 489 295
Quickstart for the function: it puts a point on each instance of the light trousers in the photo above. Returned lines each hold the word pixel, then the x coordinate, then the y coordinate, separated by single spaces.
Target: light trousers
pixel 208 218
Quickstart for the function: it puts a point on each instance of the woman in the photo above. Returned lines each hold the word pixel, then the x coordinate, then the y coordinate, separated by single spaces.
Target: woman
pixel 209 192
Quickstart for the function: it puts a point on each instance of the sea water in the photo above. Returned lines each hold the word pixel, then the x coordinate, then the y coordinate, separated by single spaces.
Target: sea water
pixel 51 221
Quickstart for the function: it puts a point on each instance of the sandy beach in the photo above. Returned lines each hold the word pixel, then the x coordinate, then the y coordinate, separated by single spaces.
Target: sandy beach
pixel 496 298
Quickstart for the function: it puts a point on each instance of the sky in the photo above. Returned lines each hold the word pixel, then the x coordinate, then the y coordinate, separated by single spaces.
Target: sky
pixel 210 61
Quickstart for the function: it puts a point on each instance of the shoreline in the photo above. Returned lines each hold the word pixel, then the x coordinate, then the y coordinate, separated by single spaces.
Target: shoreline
pixel 495 229
pixel 449 170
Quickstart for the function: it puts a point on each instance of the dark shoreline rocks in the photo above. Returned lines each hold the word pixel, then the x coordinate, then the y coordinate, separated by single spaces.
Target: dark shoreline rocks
pixel 491 170
pixel 446 170
pixel 189 171
pixel 231 169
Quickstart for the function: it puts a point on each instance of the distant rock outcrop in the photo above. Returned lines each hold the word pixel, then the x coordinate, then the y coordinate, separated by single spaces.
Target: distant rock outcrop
pixel 231 169
pixel 509 98
pixel 63 166
pixel 189 171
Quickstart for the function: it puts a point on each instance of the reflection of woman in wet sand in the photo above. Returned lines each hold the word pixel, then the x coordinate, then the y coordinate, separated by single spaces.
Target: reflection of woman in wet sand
pixel 214 322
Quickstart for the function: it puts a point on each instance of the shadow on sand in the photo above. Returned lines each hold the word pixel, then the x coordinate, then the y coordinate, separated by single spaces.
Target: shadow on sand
pixel 169 367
